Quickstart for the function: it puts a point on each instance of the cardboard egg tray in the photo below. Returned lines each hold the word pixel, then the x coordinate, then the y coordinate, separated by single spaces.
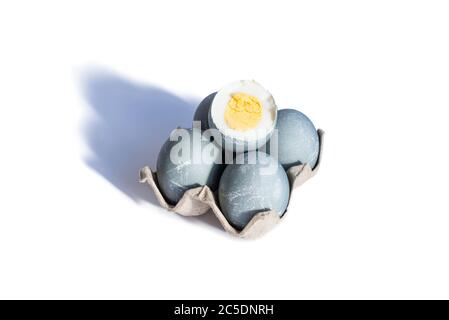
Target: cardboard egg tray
pixel 200 200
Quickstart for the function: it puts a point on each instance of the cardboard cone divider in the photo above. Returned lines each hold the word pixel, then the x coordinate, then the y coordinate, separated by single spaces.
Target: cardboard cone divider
pixel 198 201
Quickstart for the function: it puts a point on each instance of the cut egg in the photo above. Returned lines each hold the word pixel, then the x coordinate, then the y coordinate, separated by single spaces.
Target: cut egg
pixel 245 114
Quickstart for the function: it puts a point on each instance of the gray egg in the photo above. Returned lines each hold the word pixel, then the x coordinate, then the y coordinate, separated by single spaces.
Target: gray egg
pixel 202 111
pixel 185 164
pixel 257 185
pixel 298 141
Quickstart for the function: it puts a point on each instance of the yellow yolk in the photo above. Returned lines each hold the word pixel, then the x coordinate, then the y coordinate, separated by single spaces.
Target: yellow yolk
pixel 243 112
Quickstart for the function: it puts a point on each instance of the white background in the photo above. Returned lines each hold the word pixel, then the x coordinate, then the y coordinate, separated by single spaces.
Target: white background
pixel 90 90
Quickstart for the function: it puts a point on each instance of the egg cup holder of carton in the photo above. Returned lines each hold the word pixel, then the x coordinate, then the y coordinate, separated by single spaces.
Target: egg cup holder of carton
pixel 198 201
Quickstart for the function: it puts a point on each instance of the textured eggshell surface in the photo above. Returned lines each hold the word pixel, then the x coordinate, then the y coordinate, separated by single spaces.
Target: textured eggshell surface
pixel 249 188
pixel 201 200
pixel 176 177
pixel 298 141
pixel 202 111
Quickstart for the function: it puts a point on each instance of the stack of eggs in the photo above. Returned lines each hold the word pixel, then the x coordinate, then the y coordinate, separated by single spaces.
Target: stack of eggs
pixel 240 146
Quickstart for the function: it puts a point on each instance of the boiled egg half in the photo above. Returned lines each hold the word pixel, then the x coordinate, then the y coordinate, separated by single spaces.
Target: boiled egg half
pixel 245 115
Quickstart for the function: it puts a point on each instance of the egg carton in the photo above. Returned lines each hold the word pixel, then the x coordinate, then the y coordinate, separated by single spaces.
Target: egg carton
pixel 198 201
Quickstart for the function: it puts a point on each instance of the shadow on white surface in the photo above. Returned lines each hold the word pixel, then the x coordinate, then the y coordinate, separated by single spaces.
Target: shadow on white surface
pixel 130 122
pixel 126 129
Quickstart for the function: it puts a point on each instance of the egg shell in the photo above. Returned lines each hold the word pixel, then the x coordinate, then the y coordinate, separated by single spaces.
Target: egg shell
pixel 174 179
pixel 298 141
pixel 201 200
pixel 249 188
pixel 202 111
